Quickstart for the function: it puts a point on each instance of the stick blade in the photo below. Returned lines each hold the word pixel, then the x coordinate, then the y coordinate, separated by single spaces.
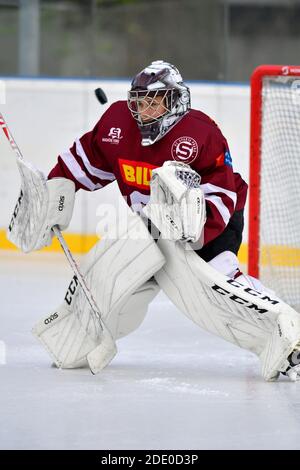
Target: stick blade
pixel 102 355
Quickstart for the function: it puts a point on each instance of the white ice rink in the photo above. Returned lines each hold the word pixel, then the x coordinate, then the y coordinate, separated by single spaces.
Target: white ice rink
pixel 171 386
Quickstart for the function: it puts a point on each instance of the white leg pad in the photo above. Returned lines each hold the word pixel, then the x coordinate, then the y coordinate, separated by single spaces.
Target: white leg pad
pixel 68 336
pixel 227 308
pixel 134 310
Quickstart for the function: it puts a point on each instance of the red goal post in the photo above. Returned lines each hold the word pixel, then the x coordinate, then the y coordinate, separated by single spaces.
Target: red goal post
pixel 274 147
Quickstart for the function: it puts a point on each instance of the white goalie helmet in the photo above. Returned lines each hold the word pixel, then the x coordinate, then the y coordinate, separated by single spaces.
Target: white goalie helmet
pixel 159 79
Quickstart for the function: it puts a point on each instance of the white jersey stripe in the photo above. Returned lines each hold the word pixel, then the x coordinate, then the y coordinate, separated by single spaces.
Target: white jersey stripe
pixel 209 188
pixel 217 201
pixel 74 167
pixel 104 175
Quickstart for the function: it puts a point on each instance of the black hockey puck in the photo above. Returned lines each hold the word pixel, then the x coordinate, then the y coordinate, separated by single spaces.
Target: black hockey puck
pixel 101 96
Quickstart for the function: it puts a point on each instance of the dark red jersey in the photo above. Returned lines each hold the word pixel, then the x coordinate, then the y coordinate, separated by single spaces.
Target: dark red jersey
pixel 113 150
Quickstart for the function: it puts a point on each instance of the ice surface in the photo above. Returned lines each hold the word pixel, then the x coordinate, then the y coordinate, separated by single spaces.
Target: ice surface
pixel 171 386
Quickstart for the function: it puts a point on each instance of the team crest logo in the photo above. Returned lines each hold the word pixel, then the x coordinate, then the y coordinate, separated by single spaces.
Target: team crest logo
pixel 114 136
pixel 184 149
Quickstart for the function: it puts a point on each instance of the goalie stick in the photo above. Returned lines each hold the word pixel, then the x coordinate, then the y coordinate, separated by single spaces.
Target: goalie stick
pixel 104 353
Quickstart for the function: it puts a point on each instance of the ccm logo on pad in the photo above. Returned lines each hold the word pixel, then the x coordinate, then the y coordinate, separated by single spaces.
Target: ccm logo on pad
pixel 240 300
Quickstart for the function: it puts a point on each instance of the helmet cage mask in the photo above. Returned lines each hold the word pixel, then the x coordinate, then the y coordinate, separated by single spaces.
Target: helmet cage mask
pixel 174 101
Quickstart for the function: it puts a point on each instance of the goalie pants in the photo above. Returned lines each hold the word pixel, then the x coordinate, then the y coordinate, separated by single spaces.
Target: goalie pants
pixel 229 240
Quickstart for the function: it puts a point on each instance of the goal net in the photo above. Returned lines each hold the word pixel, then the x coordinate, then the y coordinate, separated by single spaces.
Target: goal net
pixel 274 216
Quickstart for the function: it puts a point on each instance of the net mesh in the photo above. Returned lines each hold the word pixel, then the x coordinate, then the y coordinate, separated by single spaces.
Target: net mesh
pixel 280 187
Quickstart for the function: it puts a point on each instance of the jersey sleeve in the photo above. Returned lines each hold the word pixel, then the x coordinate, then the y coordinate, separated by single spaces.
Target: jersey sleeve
pixel 218 185
pixel 84 163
